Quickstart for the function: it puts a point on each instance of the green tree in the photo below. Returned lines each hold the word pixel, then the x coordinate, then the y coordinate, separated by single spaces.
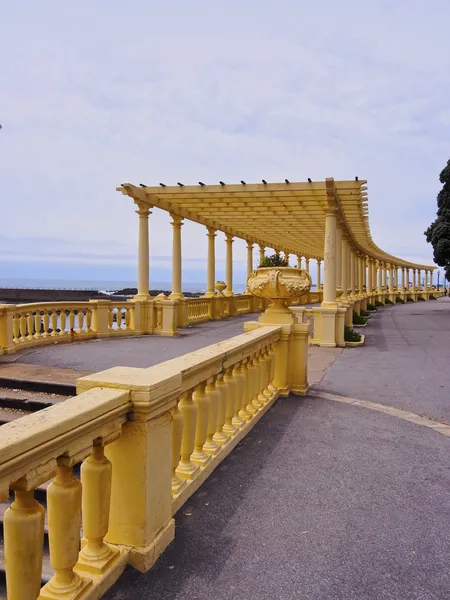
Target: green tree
pixel 438 233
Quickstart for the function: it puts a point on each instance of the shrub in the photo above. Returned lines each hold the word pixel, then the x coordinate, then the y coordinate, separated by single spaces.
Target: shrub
pixel 378 303
pixel 409 299
pixel 399 301
pixel 350 335
pixel 420 299
pixel 358 320
pixel 387 301
pixel 371 307
pixel 364 313
pixel 273 261
pixel 432 297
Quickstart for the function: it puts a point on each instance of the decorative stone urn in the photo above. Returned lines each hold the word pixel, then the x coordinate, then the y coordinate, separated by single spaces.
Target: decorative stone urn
pixel 279 284
pixel 220 286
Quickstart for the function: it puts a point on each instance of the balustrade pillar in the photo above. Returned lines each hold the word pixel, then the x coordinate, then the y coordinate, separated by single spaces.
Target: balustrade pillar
pixel 238 374
pixel 211 272
pixel 243 412
pixel 249 259
pixel 96 557
pixel 202 401
pixel 64 519
pixel 143 250
pixel 188 409
pixel 177 223
pixel 214 396
pixel 231 384
pixel 177 435
pixel 221 437
pixel 23 531
pixel 229 265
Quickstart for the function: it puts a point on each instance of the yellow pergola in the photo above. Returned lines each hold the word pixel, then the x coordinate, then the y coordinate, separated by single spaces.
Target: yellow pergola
pixel 291 217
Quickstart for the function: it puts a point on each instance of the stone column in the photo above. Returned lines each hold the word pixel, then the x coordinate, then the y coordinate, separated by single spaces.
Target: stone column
pixel 177 223
pixel 249 258
pixel 380 277
pixel 211 273
pixel 143 250
pixel 318 275
pixel 306 264
pixel 229 265
pixel 413 287
pixel 369 276
pixel 338 257
pixel 344 267
pixel 262 250
pixel 397 280
pixel 391 279
pixel 406 278
pixel 329 279
pixel 352 273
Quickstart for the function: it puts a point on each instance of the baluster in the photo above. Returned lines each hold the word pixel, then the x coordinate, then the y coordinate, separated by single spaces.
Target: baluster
pixel 199 456
pixel 89 320
pixel 46 324
pixel 119 318
pixel 127 318
pixel 267 364
pixel 231 384
pixel 262 375
pixel 23 530
pixel 64 523
pixel 54 322
pixel 16 328
pixel 37 324
pixel 62 322
pixel 213 394
pixel 251 409
pixel 177 435
pixel 71 320
pixel 111 317
pixel 132 321
pixel 243 412
pixel 239 378
pixel 30 326
pixel 271 387
pixel 96 556
pixel 256 399
pixel 186 469
pixel 80 320
pixel 220 436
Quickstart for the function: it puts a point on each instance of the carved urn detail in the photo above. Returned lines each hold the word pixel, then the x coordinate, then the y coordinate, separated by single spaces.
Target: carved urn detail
pixel 279 284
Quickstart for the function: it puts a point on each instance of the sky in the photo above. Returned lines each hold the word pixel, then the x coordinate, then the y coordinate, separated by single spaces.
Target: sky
pixel 93 94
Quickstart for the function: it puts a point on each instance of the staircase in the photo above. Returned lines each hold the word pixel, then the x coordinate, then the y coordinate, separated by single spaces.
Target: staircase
pixel 18 399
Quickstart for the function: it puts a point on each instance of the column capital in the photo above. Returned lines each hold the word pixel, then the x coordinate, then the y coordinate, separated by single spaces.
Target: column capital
pixel 177 221
pixel 250 245
pixel 143 208
pixel 211 232
pixel 229 238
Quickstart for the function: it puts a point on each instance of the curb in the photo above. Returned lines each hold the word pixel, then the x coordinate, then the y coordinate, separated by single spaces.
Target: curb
pixel 38 385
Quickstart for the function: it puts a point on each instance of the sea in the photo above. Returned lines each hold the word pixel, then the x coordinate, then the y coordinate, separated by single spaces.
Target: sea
pixel 100 284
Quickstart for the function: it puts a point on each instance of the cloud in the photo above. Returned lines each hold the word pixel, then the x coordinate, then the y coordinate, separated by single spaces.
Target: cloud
pixel 101 93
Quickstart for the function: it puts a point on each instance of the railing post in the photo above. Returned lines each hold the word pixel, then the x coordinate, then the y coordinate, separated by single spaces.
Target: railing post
pixel 298 363
pixel 6 329
pixel 100 311
pixel 169 322
pixel 141 498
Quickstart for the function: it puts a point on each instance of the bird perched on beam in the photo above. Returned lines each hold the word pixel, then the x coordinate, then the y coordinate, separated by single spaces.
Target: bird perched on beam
pixel 264 181
pixel 142 185
pixel 201 183
pixel 286 181
pixel 163 185
pixel 309 180
pixel 356 178
pixel 180 184
pixel 243 182
pixel 222 182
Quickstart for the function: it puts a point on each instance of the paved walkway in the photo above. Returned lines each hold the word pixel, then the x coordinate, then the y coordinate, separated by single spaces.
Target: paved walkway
pixel 326 500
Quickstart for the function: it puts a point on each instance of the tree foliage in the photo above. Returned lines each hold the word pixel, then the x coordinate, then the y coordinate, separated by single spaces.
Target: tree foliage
pixel 438 233
pixel 273 261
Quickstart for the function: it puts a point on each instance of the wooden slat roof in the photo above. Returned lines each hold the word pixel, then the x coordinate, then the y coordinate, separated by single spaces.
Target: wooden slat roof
pixel 284 216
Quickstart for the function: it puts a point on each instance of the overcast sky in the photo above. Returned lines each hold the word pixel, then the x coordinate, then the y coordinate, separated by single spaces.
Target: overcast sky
pixel 95 93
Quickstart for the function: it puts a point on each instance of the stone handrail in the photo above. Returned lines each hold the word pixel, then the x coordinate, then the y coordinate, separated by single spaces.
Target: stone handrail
pixel 50 443
pixel 172 423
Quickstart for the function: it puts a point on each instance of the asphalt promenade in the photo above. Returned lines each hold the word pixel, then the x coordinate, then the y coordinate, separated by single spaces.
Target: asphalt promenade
pixel 326 500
